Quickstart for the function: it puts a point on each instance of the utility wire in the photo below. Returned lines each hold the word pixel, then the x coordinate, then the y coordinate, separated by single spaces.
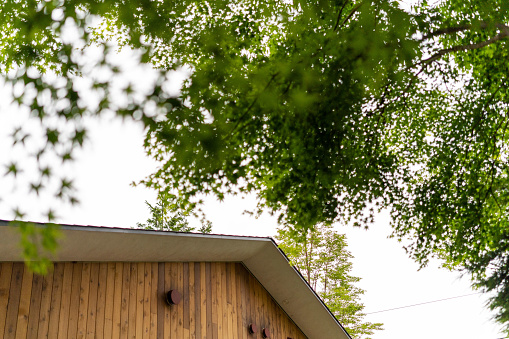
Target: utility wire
pixel 427 302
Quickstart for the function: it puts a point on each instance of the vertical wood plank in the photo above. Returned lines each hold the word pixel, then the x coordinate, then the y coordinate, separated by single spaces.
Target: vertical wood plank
pixel 241 300
pixel 204 298
pixel 14 300
pixel 75 300
pixel 170 316
pixel 92 300
pixel 233 292
pixel 117 300
pixel 277 318
pixel 180 307
pixel 56 298
pixel 249 302
pixel 279 322
pixel 273 318
pixel 221 302
pixel 254 311
pixel 288 327
pixel 163 315
pixel 209 299
pixel 173 284
pixel 65 304
pixel 140 299
pixel 263 299
pixel 147 286
pixel 5 284
pixel 281 316
pixel 283 326
pixel 238 300
pixel 286 330
pixel 186 301
pixel 227 300
pixel 46 293
pixel 83 304
pixel 258 304
pixel 192 303
pixel 215 307
pixel 124 311
pixel 224 299
pixel 110 300
pixel 154 301
pixel 197 300
pixel 24 304
pixel 265 309
pixel 273 315
pixel 101 300
pixel 131 328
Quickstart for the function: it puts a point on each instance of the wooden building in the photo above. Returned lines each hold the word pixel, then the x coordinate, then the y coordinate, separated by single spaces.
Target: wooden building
pixel 126 283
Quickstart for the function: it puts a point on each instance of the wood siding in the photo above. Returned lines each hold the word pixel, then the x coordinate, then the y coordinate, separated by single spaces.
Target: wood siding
pixel 126 300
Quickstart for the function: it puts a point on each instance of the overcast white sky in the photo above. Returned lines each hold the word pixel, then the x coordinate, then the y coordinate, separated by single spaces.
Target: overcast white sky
pixel 114 157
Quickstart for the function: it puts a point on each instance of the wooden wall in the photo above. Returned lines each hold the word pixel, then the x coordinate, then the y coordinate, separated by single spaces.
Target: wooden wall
pixel 126 300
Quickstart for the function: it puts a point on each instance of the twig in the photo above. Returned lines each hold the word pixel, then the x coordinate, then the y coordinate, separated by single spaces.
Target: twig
pixel 339 14
pixel 355 9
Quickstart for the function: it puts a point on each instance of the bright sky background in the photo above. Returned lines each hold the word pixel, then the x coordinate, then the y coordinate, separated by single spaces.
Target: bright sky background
pixel 114 157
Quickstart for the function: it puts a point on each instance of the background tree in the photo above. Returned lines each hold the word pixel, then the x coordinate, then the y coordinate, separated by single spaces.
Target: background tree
pixel 326 110
pixel 323 259
pixel 168 215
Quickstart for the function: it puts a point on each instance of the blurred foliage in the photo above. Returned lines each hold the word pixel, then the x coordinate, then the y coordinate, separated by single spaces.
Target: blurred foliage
pixel 38 243
pixel 322 257
pixel 327 110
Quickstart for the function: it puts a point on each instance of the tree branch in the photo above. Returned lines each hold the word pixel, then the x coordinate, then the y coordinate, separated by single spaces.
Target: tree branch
pixel 441 53
pixel 355 9
pixel 447 30
pixel 452 30
pixel 339 14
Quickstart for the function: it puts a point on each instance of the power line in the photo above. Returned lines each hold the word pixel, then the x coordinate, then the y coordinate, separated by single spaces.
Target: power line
pixel 427 302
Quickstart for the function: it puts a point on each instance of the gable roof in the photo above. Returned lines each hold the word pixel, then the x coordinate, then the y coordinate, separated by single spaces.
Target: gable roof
pixel 259 255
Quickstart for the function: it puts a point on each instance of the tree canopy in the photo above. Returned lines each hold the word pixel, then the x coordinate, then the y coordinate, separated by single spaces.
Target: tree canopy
pixel 327 110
